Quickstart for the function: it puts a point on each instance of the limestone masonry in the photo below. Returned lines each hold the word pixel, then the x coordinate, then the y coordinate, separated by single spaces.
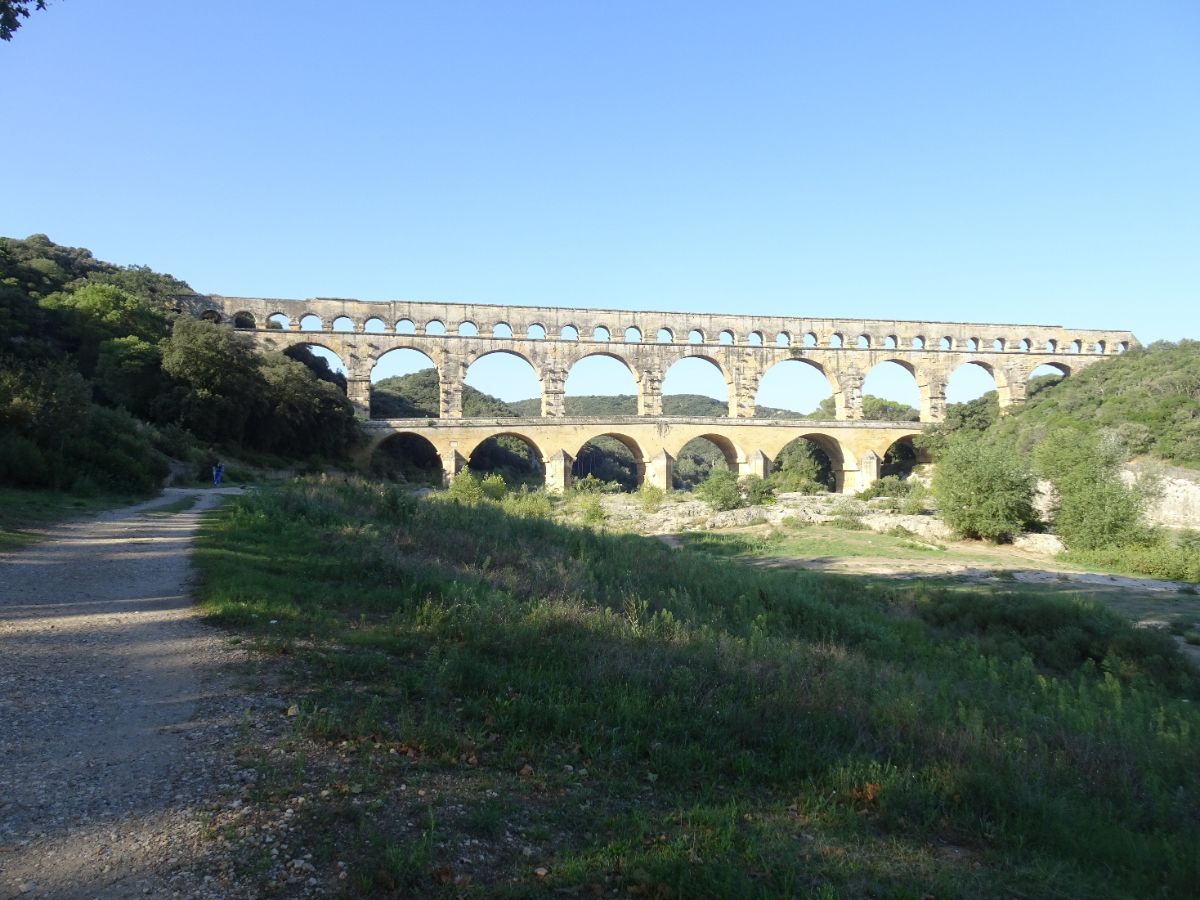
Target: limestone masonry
pixel 742 347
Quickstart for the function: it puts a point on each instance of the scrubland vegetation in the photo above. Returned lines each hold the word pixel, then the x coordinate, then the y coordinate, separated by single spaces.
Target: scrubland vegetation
pixel 642 721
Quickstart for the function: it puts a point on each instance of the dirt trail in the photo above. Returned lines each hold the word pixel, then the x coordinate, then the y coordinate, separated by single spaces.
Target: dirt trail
pixel 114 705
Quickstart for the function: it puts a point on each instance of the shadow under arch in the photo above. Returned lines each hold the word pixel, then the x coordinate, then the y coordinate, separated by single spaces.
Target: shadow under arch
pixel 697 456
pixel 901 457
pixel 401 388
pixel 610 456
pixel 514 456
pixel 408 457
pixel 808 463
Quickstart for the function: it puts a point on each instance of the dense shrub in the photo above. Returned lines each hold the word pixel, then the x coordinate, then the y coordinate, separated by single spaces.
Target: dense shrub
pixel 759 491
pixel 652 497
pixel 982 489
pixel 493 486
pixel 467 487
pixel 1094 508
pixel 892 486
pixel 720 489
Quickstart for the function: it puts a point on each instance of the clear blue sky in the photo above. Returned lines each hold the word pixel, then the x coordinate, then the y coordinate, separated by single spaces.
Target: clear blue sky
pixel 1029 161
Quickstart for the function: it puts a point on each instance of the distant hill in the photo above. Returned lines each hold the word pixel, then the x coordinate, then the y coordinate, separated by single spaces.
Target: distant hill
pixel 416 396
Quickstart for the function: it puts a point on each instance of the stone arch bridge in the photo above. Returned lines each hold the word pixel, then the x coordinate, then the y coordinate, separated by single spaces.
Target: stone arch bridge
pixel 743 348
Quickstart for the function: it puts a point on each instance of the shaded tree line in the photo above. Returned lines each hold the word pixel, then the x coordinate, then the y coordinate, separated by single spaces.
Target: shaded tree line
pixel 101 378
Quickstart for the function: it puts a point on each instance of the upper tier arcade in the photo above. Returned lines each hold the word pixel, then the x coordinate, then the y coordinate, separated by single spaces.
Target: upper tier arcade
pixel 742 347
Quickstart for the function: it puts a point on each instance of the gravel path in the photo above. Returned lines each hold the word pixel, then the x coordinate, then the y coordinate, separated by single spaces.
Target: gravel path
pixel 116 709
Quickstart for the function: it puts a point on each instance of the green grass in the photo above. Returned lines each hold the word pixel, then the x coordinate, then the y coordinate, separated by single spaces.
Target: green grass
pixel 833 541
pixel 24 511
pixel 744 732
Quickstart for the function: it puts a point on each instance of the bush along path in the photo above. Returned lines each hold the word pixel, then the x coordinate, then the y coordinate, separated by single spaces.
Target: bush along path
pixel 116 708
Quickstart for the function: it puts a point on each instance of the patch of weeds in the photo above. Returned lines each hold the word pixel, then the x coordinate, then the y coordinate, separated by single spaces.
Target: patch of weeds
pixel 593 511
pixel 651 497
pixel 848 523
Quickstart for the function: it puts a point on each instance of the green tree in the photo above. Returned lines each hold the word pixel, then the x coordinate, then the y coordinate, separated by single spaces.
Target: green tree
pixel 302 414
pixel 982 488
pixel 1095 508
pixel 12 12
pixel 720 489
pixel 129 373
pixel 218 370
pixel 97 312
pixel 877 409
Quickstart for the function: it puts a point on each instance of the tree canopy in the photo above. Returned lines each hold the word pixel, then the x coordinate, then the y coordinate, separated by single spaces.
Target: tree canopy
pixel 13 12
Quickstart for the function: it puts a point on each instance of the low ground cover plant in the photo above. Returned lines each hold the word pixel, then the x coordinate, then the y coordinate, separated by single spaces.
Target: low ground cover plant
pixel 669 723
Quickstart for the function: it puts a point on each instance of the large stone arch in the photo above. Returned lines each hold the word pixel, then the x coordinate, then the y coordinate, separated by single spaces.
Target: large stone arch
pixel 539 456
pixel 733 452
pixel 890 461
pixel 457 367
pixel 432 354
pixel 474 443
pixel 755 380
pixel 589 350
pixel 473 356
pixel 1050 362
pixel 829 446
pixel 630 443
pixel 998 374
pixel 577 447
pixel 415 454
pixel 843 455
pixel 722 369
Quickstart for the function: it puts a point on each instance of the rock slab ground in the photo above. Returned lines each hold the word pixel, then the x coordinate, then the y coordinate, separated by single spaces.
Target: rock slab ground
pixel 115 704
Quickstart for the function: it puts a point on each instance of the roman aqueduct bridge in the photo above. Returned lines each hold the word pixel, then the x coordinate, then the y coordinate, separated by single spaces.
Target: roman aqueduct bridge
pixel 742 347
